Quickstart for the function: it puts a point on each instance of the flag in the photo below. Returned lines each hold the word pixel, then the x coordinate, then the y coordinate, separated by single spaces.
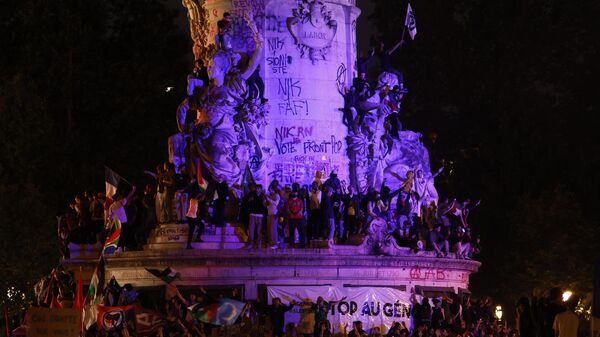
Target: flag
pixel 202 182
pixel 94 295
pixel 147 322
pixel 167 275
pixel 247 179
pixel 78 302
pixel 225 312
pixel 410 22
pixel 96 287
pixel 115 318
pixel 54 304
pixel 111 182
pixel 112 241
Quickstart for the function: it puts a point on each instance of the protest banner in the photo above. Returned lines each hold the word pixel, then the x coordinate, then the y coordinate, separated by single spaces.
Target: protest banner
pixel 46 322
pixel 374 306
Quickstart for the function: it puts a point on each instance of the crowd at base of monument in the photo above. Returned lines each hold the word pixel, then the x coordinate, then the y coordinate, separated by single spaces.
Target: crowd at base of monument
pixel 197 312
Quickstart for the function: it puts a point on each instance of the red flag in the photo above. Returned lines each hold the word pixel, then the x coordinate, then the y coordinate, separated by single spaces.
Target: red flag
pixel 201 181
pixel 78 302
pixel 54 304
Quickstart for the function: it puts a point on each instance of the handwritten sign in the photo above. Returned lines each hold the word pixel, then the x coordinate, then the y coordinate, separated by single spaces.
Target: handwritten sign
pixel 45 322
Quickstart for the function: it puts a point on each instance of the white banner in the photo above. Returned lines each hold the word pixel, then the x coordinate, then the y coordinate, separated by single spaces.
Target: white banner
pixel 374 306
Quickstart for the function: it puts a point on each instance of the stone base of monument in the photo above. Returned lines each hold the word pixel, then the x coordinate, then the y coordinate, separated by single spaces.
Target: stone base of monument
pixel 174 236
pixel 320 244
pixel 85 251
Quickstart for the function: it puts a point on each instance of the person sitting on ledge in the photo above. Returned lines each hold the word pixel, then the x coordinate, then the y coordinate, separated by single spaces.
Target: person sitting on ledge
pixel 438 241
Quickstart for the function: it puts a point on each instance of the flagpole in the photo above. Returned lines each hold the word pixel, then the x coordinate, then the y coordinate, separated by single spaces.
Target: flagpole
pixel 404 26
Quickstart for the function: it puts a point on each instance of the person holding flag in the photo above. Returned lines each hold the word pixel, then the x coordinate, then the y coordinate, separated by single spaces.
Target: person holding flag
pixel 385 54
pixel 118 217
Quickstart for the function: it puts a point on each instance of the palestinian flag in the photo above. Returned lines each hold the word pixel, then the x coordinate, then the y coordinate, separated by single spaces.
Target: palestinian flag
pixel 225 312
pixel 94 295
pixel 168 275
pixel 112 241
pixel 96 287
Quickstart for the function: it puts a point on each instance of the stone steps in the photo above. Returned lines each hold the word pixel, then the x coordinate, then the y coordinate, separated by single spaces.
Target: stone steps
pixel 174 236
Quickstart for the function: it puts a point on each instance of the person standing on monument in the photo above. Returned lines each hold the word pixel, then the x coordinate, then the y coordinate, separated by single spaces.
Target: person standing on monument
pixel 256 210
pixel 327 215
pixel 272 203
pixel 385 60
pixel 296 220
pixel 181 196
pixel 314 211
pixel 350 213
pixel 222 190
pixel 168 182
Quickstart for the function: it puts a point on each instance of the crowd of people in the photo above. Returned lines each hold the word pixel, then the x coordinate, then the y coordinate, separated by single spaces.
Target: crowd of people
pixel 185 312
pixel 282 216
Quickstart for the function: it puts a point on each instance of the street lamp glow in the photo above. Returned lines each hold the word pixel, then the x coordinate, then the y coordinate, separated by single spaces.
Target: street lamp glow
pixel 567 295
pixel 498 312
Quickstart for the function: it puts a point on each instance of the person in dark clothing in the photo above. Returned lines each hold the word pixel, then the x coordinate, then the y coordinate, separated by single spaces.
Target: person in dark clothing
pixel 437 314
pixel 524 319
pixel 555 306
pixel 256 86
pixel 148 213
pixel 195 217
pixel 385 60
pixel 351 99
pixel 333 181
pixel 222 190
pixel 363 89
pixel 327 214
pixel 276 312
pixel 255 202
pixel 362 62
pixel 200 71
pixel 350 213
pixel 357 330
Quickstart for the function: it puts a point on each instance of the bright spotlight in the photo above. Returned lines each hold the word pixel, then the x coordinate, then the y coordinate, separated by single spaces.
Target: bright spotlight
pixel 498 312
pixel 567 295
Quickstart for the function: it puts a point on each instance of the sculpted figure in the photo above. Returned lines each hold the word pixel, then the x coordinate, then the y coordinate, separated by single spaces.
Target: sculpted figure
pixel 226 118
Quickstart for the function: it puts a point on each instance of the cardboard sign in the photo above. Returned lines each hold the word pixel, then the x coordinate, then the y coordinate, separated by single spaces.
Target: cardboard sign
pixel 45 322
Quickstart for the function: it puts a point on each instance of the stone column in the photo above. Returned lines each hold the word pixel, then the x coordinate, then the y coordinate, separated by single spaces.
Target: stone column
pixel 310 51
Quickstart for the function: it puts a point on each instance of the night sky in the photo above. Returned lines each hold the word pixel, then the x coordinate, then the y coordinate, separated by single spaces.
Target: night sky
pixel 503 91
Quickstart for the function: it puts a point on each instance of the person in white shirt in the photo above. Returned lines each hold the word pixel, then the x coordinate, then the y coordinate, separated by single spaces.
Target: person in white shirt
pixel 566 324
pixel 273 220
pixel 117 210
